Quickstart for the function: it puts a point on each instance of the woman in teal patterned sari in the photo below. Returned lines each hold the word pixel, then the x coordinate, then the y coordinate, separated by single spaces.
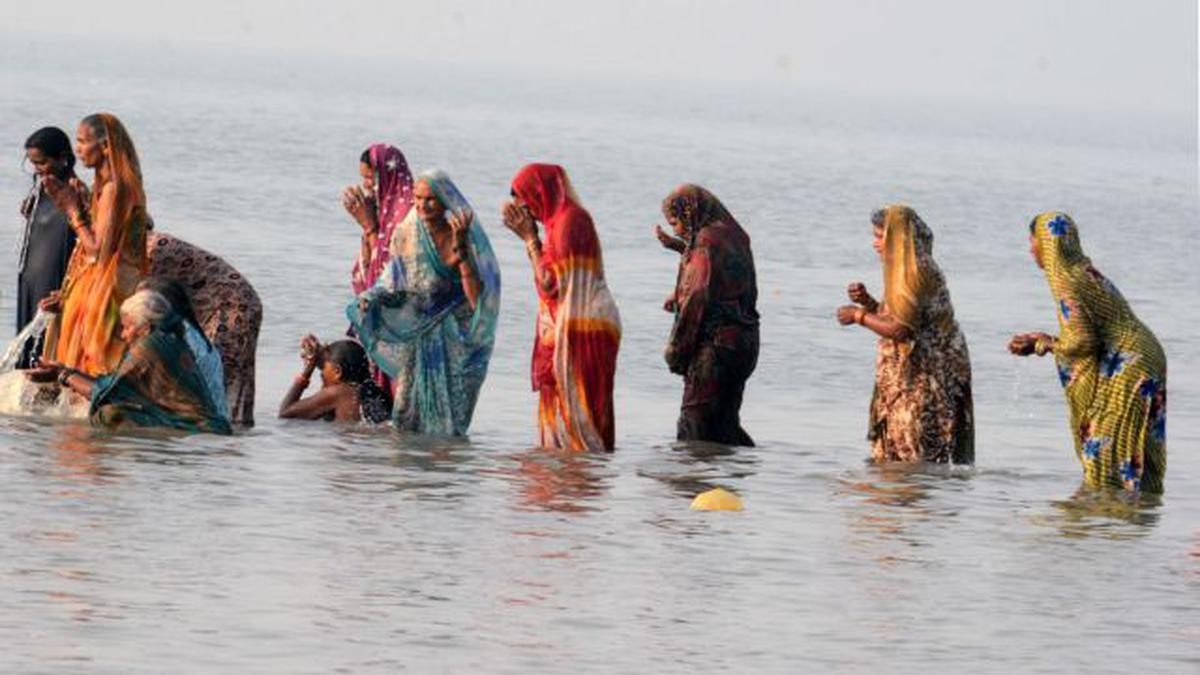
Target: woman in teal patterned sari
pixel 429 321
pixel 157 382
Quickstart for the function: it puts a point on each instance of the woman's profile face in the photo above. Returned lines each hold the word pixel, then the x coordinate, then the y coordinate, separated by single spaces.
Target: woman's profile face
pixel 877 239
pixel 131 331
pixel 1035 250
pixel 429 208
pixel 676 225
pixel 368 176
pixel 88 148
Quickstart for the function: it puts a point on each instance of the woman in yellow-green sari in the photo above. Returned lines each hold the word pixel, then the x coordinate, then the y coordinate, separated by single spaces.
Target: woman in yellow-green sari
pixel 1111 366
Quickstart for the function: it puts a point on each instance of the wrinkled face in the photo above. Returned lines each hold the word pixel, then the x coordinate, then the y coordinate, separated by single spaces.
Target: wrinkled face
pixel 131 331
pixel 368 176
pixel 429 208
pixel 877 240
pixel 1035 250
pixel 88 148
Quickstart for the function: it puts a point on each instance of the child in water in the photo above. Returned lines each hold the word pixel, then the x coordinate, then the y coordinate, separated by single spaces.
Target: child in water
pixel 347 394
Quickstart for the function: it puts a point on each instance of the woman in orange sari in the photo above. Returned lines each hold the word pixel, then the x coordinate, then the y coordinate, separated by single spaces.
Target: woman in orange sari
pixel 578 327
pixel 110 256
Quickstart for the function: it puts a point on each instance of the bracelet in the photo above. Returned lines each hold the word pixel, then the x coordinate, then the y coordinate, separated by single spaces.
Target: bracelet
pixel 859 315
pixel 533 246
pixel 302 379
pixel 64 376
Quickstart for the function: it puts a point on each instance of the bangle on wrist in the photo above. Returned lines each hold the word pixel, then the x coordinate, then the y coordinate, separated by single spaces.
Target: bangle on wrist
pixel 859 314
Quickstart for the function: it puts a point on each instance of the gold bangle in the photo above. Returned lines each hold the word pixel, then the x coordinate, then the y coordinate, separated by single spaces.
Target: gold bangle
pixel 859 315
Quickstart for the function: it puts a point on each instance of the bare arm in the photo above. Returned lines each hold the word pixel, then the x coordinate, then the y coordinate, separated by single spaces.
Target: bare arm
pixel 521 223
pixel 882 325
pixel 460 225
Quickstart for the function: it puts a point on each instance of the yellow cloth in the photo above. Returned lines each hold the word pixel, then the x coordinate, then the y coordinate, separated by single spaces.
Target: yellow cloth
pixel 1111 366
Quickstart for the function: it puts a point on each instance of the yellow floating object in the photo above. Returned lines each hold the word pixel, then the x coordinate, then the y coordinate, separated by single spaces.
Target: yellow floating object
pixel 717 499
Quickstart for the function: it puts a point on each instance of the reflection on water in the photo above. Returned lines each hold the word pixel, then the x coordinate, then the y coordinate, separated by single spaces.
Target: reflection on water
pixel 557 480
pixel 1106 512
pixel 692 467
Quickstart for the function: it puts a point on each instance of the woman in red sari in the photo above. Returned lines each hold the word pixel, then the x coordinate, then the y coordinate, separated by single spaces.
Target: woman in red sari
pixel 578 326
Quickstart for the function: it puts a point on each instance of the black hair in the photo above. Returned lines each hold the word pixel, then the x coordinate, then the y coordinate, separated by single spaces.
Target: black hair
pixel 1033 225
pixel 351 360
pixel 53 142
pixel 177 295
pixel 365 157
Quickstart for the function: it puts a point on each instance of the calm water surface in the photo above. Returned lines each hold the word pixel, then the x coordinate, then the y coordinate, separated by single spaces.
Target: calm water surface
pixel 309 548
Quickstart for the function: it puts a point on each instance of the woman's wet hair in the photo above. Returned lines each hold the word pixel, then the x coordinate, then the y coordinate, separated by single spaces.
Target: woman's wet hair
pixel 878 217
pixel 365 157
pixel 177 295
pixel 1033 225
pixel 351 359
pixel 96 123
pixel 53 142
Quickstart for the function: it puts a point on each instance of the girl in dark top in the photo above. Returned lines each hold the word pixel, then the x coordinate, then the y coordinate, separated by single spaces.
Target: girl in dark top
pixel 48 239
pixel 347 394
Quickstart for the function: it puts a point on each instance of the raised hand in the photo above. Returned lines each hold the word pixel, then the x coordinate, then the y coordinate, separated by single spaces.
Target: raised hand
pixel 52 303
pixel 519 220
pixel 64 195
pixel 310 347
pixel 460 227
pixel 360 206
pixel 858 294
pixel 848 314
pixel 668 241
pixel 1024 344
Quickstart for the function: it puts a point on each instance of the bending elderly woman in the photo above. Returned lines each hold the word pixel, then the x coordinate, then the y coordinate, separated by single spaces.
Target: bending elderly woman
pixel 578 328
pixel 157 382
pixel 429 322
pixel 714 341
pixel 1112 368
pixel 922 407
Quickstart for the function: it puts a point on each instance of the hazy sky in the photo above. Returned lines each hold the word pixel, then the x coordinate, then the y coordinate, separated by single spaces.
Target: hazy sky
pixel 1092 54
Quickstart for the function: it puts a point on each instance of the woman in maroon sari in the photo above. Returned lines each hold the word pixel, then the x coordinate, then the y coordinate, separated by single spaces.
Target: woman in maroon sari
pixel 714 342
pixel 377 205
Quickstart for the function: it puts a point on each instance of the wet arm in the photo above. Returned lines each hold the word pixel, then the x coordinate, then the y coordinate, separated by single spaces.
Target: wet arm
pixel 885 326
pixel 692 299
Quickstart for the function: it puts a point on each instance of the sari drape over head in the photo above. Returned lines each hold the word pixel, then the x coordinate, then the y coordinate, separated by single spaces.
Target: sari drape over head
pixel 1112 367
pixel 159 384
pixel 87 334
pixel 714 340
pixel 419 327
pixel 578 326
pixel 394 199
pixel 922 408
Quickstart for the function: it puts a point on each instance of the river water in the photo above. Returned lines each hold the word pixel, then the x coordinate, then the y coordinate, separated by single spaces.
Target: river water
pixel 308 548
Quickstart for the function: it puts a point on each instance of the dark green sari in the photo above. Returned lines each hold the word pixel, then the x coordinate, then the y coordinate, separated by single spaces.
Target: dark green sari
pixel 157 384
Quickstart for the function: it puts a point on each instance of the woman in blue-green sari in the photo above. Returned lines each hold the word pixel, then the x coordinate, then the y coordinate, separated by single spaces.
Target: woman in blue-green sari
pixel 157 382
pixel 429 321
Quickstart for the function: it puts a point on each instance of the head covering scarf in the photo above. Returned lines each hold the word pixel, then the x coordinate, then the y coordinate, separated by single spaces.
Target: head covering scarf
pixel 419 328
pixel 1112 367
pixel 158 382
pixel 578 326
pixel 922 408
pixel 86 335
pixel 394 198
pixel 907 256
pixel 714 339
